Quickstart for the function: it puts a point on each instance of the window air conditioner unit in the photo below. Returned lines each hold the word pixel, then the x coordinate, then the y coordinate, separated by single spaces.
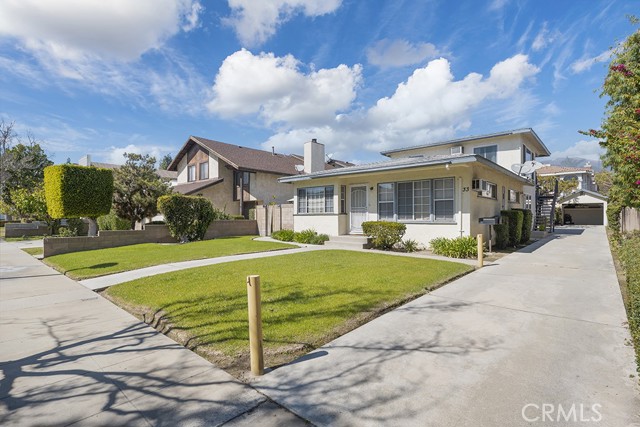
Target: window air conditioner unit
pixel 483 187
pixel 479 185
pixel 457 149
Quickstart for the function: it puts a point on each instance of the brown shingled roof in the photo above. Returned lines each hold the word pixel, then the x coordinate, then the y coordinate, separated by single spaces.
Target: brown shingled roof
pixel 554 170
pixel 192 187
pixel 249 158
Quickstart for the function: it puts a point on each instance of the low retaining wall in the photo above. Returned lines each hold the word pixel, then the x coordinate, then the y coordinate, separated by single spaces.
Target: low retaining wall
pixel 150 234
pixel 19 229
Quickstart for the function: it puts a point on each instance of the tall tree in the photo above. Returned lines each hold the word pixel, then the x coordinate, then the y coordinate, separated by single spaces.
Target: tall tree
pixel 137 188
pixel 166 161
pixel 21 163
pixel 620 130
pixel 604 181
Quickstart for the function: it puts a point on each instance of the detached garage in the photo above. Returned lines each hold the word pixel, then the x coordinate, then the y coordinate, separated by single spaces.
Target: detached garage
pixel 584 207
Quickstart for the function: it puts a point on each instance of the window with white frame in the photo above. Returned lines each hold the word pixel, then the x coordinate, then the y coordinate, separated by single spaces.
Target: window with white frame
pixel 528 203
pixel 191 173
pixel 315 200
pixel 489 152
pixel 514 196
pixel 425 200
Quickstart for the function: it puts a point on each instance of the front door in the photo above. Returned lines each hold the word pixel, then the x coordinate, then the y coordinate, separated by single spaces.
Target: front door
pixel 358 212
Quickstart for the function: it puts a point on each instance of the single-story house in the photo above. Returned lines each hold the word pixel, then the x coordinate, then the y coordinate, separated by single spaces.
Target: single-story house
pixel 438 190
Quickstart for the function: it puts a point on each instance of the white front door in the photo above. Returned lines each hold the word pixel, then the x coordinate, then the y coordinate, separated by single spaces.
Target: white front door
pixel 358 212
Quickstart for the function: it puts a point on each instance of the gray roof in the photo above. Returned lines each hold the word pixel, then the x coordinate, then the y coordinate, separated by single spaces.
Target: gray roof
pixel 527 131
pixel 583 192
pixel 402 163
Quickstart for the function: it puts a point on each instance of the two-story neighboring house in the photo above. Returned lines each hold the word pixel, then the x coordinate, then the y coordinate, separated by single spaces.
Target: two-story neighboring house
pixel 584 176
pixel 437 190
pixel 236 178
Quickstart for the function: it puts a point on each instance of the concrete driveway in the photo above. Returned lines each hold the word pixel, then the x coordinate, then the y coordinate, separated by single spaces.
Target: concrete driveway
pixel 538 339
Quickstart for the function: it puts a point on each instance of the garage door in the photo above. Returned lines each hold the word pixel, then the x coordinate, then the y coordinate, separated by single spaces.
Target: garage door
pixel 587 214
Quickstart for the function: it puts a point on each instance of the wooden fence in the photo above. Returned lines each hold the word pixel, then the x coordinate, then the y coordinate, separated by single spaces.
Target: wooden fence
pixel 273 218
pixel 629 220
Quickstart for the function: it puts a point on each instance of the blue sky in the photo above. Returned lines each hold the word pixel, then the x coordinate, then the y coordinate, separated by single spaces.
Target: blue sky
pixel 104 78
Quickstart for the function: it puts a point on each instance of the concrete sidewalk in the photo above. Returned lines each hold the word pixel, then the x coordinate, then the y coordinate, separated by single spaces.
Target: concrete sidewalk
pixel 103 282
pixel 67 356
pixel 544 326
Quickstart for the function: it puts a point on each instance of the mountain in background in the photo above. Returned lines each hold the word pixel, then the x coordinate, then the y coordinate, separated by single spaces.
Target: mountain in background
pixel 572 162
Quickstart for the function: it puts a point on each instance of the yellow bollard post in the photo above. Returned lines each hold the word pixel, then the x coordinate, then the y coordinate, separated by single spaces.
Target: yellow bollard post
pixel 255 325
pixel 480 251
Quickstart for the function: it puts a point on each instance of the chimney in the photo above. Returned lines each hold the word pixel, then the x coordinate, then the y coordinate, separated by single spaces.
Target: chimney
pixel 85 160
pixel 313 156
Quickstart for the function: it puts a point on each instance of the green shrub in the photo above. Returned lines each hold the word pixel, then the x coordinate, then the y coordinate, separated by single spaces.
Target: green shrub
pixel 515 226
pixel 629 253
pixel 384 234
pixel 410 245
pixel 252 213
pixel 527 223
pixel 111 221
pixel 459 247
pixel 502 233
pixel 188 217
pixel 66 232
pixel 73 191
pixel 76 226
pixel 309 236
pixel 283 235
pixel 157 222
pixel 237 217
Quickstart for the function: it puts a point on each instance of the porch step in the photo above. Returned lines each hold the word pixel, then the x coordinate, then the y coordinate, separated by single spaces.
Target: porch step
pixel 349 241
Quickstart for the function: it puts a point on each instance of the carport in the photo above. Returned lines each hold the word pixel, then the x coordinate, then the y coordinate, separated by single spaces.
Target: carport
pixel 584 207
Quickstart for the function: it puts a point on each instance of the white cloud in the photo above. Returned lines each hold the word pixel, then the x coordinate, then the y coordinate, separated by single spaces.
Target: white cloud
pixel 74 31
pixel 498 4
pixel 544 38
pixel 255 21
pixel 430 105
pixel 116 154
pixel 275 89
pixel 590 150
pixel 399 53
pixel 585 64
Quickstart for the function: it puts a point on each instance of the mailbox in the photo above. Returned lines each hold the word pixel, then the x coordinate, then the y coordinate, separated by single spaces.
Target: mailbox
pixel 490 220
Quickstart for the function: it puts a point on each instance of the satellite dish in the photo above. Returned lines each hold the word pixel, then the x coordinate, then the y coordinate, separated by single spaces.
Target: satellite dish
pixel 525 168
pixel 534 165
pixel 299 168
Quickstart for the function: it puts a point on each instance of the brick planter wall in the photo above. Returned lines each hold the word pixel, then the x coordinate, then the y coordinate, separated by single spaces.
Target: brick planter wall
pixel 150 234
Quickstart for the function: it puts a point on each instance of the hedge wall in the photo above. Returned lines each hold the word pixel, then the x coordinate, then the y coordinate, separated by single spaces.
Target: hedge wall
pixel 516 219
pixel 74 191
pixel 527 223
pixel 502 233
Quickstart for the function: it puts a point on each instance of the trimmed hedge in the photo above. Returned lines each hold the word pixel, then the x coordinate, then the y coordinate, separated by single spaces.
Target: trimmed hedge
pixel 384 234
pixel 188 217
pixel 74 191
pixel 502 233
pixel 515 225
pixel 527 223
pixel 629 252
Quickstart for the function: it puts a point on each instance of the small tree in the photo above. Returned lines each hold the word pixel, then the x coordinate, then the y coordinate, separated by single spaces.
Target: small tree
pixel 604 181
pixel 137 188
pixel 187 217
pixel 165 162
pixel 73 191
pixel 33 204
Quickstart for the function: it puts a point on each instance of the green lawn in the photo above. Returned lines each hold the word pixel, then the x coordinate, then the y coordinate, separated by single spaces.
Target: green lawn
pixel 308 299
pixel 86 264
pixel 33 251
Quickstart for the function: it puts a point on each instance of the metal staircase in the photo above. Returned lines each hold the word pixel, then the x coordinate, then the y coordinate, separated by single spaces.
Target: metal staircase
pixel 545 208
